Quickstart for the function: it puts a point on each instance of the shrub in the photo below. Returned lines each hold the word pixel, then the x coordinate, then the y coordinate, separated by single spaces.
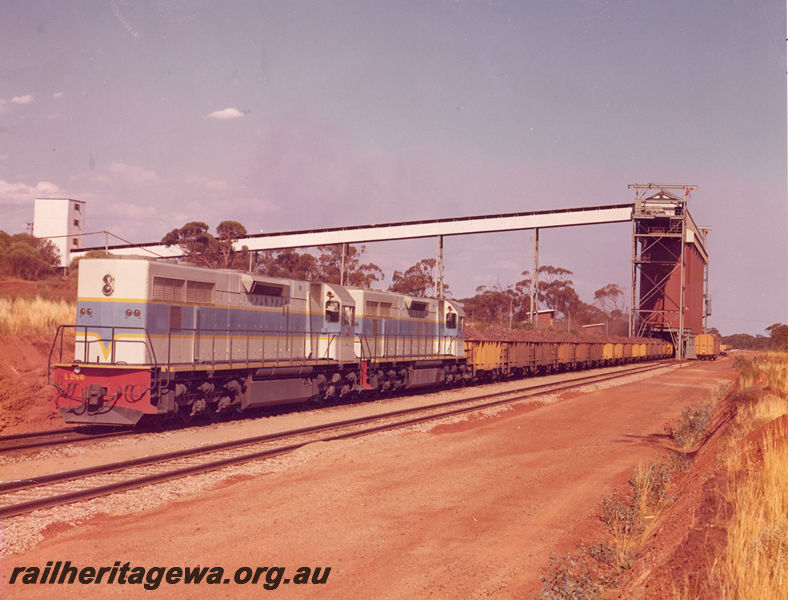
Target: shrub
pixel 691 426
pixel 570 577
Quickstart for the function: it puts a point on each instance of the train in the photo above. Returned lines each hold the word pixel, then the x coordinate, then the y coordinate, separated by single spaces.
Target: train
pixel 707 346
pixel 156 341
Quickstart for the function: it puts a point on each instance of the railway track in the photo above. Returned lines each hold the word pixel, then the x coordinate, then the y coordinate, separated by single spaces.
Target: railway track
pixel 23 496
pixel 56 437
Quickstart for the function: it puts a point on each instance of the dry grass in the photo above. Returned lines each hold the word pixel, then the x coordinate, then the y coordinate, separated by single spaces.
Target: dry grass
pixel 767 370
pixel 27 316
pixel 769 408
pixel 632 519
pixel 754 564
pixel 774 371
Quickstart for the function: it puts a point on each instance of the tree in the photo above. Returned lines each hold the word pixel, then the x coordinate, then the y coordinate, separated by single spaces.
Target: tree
pixel 501 304
pixel 610 298
pixel 197 244
pixel 610 301
pixel 522 295
pixel 27 257
pixel 491 305
pixel 200 247
pixel 289 263
pixel 417 280
pixel 355 274
pixel 556 291
pixel 779 336
pixel 229 232
pixel 745 341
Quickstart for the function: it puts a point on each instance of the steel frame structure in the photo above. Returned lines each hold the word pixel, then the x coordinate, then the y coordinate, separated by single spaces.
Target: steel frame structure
pixel 662 228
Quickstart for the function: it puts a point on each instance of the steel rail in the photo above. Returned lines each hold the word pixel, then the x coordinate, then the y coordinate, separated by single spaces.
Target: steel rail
pixel 74 496
pixel 32 434
pixel 70 436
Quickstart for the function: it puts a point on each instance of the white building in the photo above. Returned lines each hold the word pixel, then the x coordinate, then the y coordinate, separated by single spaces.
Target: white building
pixel 63 221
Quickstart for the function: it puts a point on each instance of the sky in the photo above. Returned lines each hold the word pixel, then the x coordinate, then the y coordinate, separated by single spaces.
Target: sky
pixel 287 115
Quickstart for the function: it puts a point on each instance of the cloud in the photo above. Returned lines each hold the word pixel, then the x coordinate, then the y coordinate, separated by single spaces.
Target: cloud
pixel 57 95
pixel 137 212
pixel 133 174
pixel 28 99
pixel 22 193
pixel 213 185
pixel 217 185
pixel 227 113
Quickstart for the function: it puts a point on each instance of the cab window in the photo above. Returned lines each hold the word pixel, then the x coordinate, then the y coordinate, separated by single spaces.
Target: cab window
pixel 332 311
pixel 348 315
pixel 451 320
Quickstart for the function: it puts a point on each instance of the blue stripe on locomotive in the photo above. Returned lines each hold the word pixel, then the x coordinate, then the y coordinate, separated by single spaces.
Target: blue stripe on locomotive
pixel 156 318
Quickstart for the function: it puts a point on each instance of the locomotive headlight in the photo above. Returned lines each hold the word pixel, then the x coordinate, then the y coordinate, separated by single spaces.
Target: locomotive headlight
pixel 77 370
pixel 108 288
pixel 90 311
pixel 137 312
pixel 82 311
pixel 128 312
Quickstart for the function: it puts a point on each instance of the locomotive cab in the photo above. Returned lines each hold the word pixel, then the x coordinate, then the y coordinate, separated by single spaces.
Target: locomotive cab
pixel 332 322
pixel 451 329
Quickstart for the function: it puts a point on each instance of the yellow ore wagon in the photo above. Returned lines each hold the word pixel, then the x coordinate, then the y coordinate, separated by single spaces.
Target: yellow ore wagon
pixel 707 346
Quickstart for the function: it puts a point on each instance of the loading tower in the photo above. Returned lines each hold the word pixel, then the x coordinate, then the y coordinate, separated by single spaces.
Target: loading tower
pixel 670 268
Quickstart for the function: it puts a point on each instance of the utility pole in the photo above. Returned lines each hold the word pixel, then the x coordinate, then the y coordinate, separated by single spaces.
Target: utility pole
pixel 438 279
pixel 534 277
pixel 342 265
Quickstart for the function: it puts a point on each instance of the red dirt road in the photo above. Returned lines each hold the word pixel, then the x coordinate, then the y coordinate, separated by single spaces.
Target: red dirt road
pixel 465 510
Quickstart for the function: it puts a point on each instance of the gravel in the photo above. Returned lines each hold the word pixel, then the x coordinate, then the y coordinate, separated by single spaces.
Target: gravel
pixel 25 531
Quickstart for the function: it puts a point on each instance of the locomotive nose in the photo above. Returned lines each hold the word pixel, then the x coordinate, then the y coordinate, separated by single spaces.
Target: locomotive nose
pixel 95 395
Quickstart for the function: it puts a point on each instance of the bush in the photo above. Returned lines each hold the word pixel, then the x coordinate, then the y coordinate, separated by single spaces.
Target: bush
pixel 691 426
pixel 570 577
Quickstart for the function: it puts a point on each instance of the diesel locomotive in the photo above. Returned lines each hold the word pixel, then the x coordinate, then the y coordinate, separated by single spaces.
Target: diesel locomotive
pixel 157 340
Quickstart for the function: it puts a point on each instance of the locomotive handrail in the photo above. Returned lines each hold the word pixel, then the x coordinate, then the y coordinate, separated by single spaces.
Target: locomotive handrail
pixel 113 339
pixel 362 342
pixel 425 346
